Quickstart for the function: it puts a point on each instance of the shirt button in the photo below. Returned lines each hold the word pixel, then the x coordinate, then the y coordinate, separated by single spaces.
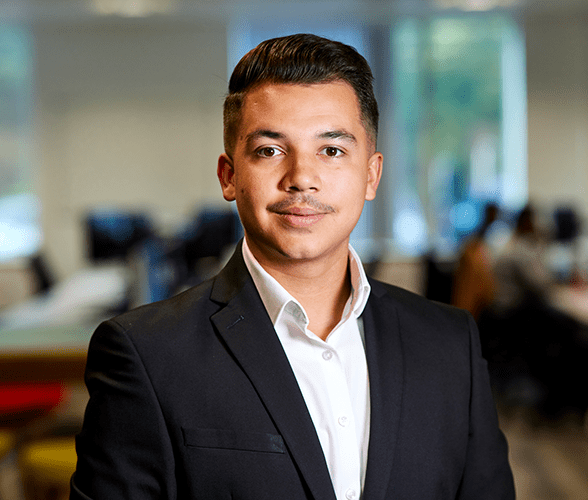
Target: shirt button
pixel 327 355
pixel 351 494
pixel 343 421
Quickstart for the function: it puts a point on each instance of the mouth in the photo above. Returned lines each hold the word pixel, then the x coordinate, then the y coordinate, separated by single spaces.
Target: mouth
pixel 300 216
pixel 301 211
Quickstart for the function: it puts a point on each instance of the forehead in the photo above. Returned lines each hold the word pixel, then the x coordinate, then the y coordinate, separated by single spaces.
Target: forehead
pixel 300 105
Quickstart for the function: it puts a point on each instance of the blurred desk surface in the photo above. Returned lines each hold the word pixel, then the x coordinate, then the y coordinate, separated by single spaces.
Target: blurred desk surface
pixel 572 300
pixel 53 352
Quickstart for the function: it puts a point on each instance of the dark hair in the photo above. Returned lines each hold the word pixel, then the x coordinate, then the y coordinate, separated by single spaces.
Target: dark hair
pixel 300 59
pixel 526 220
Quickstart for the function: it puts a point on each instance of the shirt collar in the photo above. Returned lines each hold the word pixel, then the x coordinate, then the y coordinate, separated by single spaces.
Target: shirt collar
pixel 275 297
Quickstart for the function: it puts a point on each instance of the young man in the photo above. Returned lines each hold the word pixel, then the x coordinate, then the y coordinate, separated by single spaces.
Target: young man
pixel 291 375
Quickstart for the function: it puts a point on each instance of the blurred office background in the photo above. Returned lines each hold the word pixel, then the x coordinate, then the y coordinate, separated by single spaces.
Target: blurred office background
pixel 110 128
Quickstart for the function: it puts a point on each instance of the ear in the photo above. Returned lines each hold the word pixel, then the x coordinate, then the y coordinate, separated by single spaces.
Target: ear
pixel 374 174
pixel 226 176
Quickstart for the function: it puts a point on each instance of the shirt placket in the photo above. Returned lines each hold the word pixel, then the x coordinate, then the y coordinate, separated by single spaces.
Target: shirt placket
pixel 345 455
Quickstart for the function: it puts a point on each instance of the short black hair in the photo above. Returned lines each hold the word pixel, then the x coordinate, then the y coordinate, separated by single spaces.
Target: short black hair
pixel 300 59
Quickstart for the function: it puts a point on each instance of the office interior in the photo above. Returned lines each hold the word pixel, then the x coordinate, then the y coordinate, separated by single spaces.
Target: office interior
pixel 110 130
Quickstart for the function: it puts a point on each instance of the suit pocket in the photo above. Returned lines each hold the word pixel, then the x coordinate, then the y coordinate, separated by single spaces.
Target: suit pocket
pixel 231 440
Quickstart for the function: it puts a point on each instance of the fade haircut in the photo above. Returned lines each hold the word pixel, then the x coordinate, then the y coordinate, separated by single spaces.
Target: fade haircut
pixel 300 59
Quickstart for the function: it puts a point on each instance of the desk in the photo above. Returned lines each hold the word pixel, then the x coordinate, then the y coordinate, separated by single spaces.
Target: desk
pixel 54 352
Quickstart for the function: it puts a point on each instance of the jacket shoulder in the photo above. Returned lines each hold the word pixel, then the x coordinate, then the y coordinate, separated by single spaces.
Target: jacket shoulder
pixel 411 304
pixel 424 324
pixel 186 308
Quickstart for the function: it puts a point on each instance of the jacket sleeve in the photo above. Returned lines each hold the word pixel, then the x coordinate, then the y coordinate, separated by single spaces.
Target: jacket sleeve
pixel 124 450
pixel 487 474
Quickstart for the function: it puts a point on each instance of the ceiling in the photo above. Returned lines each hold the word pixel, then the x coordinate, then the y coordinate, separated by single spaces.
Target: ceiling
pixel 72 11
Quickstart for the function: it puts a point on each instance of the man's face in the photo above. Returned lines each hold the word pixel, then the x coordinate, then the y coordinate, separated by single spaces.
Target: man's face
pixel 301 170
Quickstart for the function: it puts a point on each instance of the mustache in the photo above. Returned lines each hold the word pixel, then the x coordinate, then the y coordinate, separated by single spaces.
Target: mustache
pixel 300 199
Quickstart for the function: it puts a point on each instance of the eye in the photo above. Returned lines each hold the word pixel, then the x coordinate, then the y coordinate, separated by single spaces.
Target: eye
pixel 331 151
pixel 268 152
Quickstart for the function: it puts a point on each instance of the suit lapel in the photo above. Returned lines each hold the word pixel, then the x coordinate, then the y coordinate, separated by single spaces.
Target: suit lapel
pixel 385 368
pixel 250 336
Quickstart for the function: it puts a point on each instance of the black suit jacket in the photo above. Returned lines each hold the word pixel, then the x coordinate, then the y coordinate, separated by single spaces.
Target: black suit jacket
pixel 194 398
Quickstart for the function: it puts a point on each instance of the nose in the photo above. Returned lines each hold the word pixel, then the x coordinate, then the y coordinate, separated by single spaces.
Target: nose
pixel 301 175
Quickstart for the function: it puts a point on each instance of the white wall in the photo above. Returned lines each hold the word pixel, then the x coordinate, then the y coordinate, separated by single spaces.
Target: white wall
pixel 128 116
pixel 557 81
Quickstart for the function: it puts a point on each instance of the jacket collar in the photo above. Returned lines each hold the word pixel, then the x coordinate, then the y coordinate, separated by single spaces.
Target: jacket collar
pixel 386 372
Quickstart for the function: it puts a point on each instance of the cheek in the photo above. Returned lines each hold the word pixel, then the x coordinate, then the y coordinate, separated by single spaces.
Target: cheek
pixel 254 188
pixel 351 188
pixel 250 200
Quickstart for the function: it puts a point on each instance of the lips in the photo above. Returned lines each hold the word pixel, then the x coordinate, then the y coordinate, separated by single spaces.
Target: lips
pixel 300 216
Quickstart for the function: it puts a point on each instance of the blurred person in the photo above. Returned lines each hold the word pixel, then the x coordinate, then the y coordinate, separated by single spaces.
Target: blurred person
pixel 291 375
pixel 522 279
pixel 523 330
pixel 473 279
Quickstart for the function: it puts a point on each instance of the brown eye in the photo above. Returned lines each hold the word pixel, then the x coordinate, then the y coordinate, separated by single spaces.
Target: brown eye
pixel 332 151
pixel 267 152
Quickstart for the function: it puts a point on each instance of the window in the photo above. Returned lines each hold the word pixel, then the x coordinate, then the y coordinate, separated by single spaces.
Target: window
pixel 20 233
pixel 460 127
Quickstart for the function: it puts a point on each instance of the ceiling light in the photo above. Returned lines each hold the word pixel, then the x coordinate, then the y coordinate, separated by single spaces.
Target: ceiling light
pixel 132 8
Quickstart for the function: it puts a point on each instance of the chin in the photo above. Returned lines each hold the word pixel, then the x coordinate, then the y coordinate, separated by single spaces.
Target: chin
pixel 298 254
pixel 306 253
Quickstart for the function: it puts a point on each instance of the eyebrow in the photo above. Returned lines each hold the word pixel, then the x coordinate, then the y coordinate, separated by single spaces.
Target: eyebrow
pixel 272 134
pixel 337 134
pixel 256 134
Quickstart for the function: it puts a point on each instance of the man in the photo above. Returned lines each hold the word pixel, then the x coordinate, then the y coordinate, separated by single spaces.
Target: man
pixel 291 375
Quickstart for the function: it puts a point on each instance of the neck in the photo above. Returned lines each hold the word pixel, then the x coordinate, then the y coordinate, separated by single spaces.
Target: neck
pixel 322 288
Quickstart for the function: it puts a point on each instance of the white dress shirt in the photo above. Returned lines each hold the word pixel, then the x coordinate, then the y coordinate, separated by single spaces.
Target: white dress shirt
pixel 332 374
